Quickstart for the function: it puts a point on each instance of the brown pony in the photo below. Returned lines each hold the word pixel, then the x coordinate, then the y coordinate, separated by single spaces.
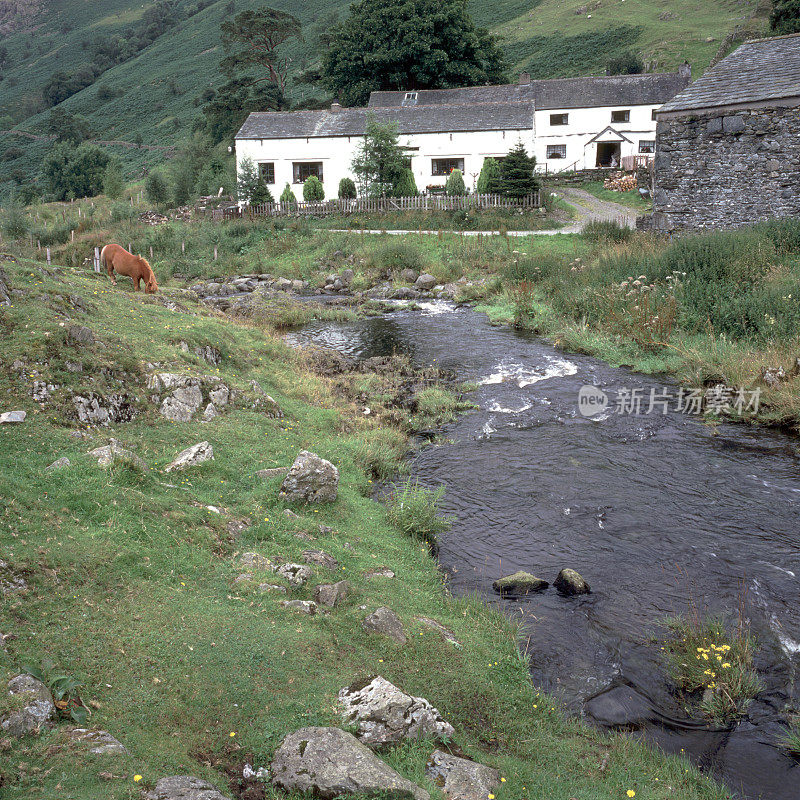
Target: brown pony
pixel 118 259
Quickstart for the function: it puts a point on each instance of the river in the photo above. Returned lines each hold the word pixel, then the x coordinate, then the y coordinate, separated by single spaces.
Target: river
pixel 656 511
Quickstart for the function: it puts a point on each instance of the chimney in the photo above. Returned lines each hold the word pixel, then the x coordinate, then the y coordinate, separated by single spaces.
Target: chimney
pixel 335 107
pixel 685 71
pixel 524 78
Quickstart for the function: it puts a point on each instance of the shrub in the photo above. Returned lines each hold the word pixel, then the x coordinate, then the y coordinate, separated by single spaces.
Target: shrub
pixel 347 189
pixel 380 451
pixel 122 211
pixel 517 173
pixel 398 254
pixel 606 231
pixel 112 180
pixel 455 184
pixel 415 512
pixel 12 153
pixel 155 188
pixel 261 193
pixel 287 195
pixel 489 180
pixel 406 186
pixel 313 190
pixel 14 220
pixel 703 656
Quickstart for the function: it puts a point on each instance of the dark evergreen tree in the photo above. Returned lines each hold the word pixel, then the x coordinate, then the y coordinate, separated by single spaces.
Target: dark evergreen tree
pixel 156 189
pixel 785 17
pixel 380 160
pixel 517 173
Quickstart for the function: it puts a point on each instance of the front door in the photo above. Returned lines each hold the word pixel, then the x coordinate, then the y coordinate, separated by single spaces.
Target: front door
pixel 609 154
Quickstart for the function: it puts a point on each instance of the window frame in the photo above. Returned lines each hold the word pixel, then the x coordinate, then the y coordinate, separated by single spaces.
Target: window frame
pixel 625 115
pixel 444 172
pixel 298 169
pixel 266 167
pixel 561 149
pixel 564 119
pixel 652 146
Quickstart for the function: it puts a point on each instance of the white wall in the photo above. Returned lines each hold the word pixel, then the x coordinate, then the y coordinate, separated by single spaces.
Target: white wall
pixel 337 152
pixel 584 124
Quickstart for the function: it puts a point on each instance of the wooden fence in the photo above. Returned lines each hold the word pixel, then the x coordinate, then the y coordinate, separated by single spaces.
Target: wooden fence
pixel 382 205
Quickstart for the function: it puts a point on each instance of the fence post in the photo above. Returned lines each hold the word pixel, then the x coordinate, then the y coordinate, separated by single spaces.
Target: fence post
pixel 97 259
pixel 151 252
pixel 48 256
pixel 130 247
pixel 183 247
pixel 215 252
pixel 72 235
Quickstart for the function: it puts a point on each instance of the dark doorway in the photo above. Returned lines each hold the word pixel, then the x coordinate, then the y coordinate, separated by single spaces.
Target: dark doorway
pixel 608 154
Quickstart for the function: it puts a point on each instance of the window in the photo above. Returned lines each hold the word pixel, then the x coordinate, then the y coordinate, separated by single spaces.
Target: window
pixel 305 169
pixel 444 166
pixel 647 146
pixel 621 116
pixel 559 119
pixel 556 151
pixel 266 171
pixel 411 96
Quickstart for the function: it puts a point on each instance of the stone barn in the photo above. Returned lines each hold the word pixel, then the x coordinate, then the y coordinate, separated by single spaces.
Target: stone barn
pixel 728 146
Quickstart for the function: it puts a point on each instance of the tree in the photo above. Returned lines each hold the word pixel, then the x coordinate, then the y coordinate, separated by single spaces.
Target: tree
pixel 258 33
pixel 347 189
pixel 155 188
pixel 785 17
pixel 261 193
pixel 380 160
pixel 626 63
pixel 489 181
pixel 406 186
pixel 313 190
pixel 67 127
pixel 229 107
pixel 517 176
pixel 113 182
pixel 287 195
pixel 408 44
pixel 454 186
pixel 70 171
pixel 247 180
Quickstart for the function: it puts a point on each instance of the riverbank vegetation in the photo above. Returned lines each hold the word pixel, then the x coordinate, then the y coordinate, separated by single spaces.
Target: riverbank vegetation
pixel 196 672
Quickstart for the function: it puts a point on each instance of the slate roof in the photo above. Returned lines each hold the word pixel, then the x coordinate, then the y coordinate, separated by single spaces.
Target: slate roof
pixel 760 70
pixel 514 115
pixel 614 90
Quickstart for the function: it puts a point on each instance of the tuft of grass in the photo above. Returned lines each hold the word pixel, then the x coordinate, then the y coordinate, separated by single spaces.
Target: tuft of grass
pixel 791 739
pixel 414 510
pixel 705 658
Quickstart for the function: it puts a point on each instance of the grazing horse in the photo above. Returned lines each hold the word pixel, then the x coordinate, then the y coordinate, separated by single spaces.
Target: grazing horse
pixel 118 259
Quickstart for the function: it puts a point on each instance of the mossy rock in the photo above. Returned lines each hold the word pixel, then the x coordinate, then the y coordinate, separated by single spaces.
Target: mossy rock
pixel 519 583
pixel 570 582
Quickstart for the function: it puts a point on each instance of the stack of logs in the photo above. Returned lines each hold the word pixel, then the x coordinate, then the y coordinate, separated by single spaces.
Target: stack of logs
pixel 621 182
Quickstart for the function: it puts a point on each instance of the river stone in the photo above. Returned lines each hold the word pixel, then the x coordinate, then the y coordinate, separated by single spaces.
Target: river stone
pixel 384 621
pixel 311 479
pixel 101 743
pixel 38 712
pixel 330 763
pixel 620 708
pixel 114 453
pixel 409 275
pixel 519 583
pixel 296 574
pixel 59 463
pixel 331 594
pixel 12 416
pixel 460 778
pixel 191 457
pixel 570 582
pixel 184 787
pixel 380 572
pixel 425 281
pixel 386 715
pixel 321 558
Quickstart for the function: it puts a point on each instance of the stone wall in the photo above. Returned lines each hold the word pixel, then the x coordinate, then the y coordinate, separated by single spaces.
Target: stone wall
pixel 725 170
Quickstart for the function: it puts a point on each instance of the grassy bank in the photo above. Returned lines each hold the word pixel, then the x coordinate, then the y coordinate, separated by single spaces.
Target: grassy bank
pixel 131 573
pixel 712 308
pixel 631 199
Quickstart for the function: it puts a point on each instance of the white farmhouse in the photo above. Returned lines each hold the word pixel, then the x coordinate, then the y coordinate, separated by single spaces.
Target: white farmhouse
pixel 567 123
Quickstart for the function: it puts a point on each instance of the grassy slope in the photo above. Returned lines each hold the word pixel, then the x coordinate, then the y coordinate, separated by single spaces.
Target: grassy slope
pixel 190 53
pixel 131 582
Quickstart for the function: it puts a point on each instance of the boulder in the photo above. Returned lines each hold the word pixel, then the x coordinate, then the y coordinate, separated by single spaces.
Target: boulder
pixel 460 778
pixel 331 594
pixel 176 411
pixel 99 743
pixel 409 275
pixel 209 413
pixel 329 763
pixel 426 282
pixel 37 712
pixel 184 787
pixel 256 561
pixel 114 453
pixel 295 574
pixel 220 396
pixel 191 457
pixel 519 583
pixel 303 606
pixel 311 479
pixel 570 582
pixel 275 472
pixel 59 463
pixel 384 621
pixel 97 409
pixel 80 334
pixel 321 559
pixel 12 416
pixel 385 714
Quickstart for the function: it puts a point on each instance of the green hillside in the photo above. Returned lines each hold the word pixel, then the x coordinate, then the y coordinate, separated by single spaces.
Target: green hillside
pixel 153 97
